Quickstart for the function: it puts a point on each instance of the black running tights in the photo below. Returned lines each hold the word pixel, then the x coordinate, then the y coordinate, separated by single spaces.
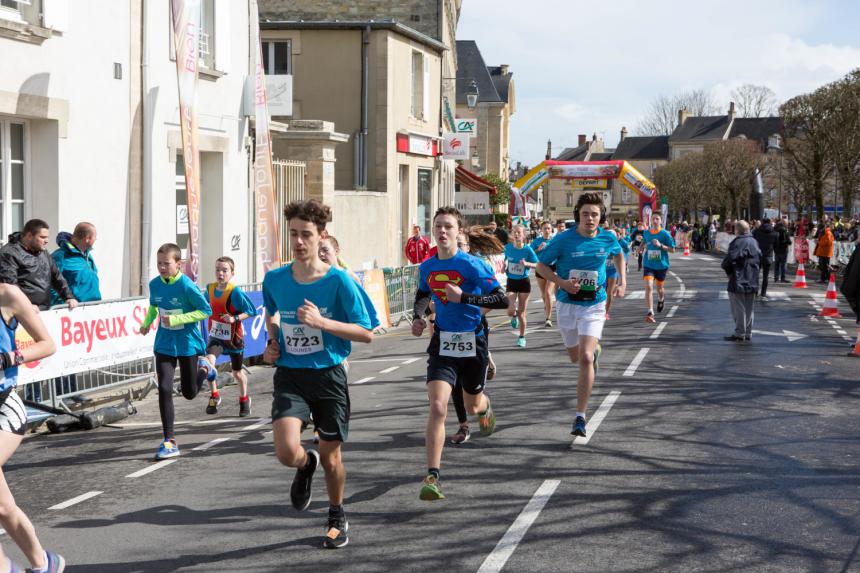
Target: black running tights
pixel 165 368
pixel 459 404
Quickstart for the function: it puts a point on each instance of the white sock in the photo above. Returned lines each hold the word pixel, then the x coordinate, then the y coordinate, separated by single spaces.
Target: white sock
pixel 43 569
pixel 580 415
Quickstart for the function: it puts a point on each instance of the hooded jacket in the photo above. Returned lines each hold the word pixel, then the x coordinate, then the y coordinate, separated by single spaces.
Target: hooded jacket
pixel 34 273
pixel 766 238
pixel 824 247
pixel 742 264
pixel 78 268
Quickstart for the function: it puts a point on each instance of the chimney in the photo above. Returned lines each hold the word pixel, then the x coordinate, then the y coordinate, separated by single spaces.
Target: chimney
pixel 732 110
pixel 623 133
pixel 504 69
pixel 582 138
pixel 683 114
pixel 549 149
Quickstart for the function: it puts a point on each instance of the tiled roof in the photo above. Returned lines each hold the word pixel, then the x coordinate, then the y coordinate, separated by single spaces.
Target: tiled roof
pixel 650 147
pixel 471 66
pixel 706 127
pixel 501 81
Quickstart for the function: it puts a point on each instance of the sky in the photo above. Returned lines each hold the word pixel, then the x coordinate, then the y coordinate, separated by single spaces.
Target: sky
pixel 593 67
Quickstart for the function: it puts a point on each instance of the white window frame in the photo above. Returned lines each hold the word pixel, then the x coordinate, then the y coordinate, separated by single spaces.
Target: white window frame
pixel 6 162
pixel 206 37
pixel 417 88
pixel 14 14
pixel 269 47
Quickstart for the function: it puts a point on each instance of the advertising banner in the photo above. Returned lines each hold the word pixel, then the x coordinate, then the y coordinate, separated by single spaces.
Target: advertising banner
pixel 531 181
pixel 186 35
pixel 631 177
pixel 473 202
pixel 266 211
pixel 373 282
pixel 589 183
pixel 455 146
pixel 595 170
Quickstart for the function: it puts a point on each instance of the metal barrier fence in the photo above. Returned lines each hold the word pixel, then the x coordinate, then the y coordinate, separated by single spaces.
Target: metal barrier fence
pixel 401 284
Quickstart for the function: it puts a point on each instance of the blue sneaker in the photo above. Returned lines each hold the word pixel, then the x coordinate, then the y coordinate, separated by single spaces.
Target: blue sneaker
pixel 167 450
pixel 521 341
pixel 56 564
pixel 514 322
pixel 578 427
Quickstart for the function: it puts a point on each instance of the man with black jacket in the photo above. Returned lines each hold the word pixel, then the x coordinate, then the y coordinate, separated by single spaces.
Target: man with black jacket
pixel 741 264
pixel 851 282
pixel 780 251
pixel 25 261
pixel 766 238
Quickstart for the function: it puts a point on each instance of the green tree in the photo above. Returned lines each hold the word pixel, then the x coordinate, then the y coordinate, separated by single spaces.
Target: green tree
pixel 503 188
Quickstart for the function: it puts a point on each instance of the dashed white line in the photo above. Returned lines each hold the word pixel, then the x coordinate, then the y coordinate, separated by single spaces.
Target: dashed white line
pixel 387 370
pixel 658 330
pixel 207 445
pixel 363 380
pixel 508 543
pixel 631 370
pixel 151 468
pixel 672 311
pixel 597 418
pixel 74 500
pixel 411 360
pixel 841 331
pixel 258 424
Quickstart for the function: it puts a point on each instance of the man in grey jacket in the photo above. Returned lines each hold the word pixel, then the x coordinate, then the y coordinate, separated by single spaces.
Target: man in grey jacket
pixel 742 264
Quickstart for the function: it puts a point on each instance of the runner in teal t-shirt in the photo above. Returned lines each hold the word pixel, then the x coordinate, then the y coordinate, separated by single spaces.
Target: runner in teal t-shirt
pixel 314 313
pixel 656 245
pixel 180 306
pixel 547 289
pixel 580 255
pixel 519 258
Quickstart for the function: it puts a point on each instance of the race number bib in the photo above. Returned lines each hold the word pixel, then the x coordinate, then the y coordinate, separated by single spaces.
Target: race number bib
pixel 518 269
pixel 301 339
pixel 220 330
pixel 587 285
pixel 172 312
pixel 457 344
pixel 655 256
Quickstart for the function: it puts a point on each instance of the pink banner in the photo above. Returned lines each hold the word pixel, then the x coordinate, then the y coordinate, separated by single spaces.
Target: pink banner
pixel 268 238
pixel 186 35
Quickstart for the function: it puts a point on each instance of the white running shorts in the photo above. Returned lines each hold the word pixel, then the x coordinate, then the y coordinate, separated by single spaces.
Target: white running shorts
pixel 575 320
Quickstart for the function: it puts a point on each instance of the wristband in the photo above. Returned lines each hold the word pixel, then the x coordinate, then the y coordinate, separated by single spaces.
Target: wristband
pixel 19 357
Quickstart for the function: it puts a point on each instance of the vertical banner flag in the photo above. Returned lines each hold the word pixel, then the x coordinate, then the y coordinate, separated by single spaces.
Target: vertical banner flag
pixel 268 239
pixel 186 36
pixel 664 210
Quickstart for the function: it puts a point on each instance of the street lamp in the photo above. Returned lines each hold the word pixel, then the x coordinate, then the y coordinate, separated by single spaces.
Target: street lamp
pixel 774 143
pixel 472 95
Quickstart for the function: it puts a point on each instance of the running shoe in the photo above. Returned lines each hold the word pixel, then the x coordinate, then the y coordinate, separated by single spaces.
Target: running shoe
pixel 461 436
pixel 166 450
pixel 578 427
pixel 245 408
pixel 336 532
pixel 491 366
pixel 547 324
pixel 56 564
pixel 521 341
pixel 431 489
pixel 300 491
pixel 597 352
pixel 660 305
pixel 514 322
pixel 212 406
pixel 487 420
pixel 650 317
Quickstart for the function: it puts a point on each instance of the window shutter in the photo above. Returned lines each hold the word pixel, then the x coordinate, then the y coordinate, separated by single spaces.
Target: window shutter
pixel 222 35
pixel 426 90
pixel 56 14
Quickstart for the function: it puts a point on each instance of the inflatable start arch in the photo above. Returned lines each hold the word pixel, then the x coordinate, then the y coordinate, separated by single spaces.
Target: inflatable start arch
pixel 617 170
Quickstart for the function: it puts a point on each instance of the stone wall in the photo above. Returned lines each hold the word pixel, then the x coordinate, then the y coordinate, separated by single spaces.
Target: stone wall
pixel 420 15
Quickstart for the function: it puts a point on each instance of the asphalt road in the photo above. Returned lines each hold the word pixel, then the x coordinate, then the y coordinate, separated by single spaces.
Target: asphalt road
pixel 714 456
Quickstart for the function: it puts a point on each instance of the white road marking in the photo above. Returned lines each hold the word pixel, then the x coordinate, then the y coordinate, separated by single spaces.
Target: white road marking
pixel 597 418
pixel 631 370
pixel 790 335
pixel 635 295
pixel 411 360
pixel 672 311
pixel 376 360
pixel 74 500
pixel 258 424
pixel 658 330
pixel 512 537
pixel 363 380
pixel 840 331
pixel 151 468
pixel 387 370
pixel 207 445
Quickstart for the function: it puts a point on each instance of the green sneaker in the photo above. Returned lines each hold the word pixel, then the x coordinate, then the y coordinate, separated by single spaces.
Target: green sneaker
pixel 597 352
pixel 487 420
pixel 431 489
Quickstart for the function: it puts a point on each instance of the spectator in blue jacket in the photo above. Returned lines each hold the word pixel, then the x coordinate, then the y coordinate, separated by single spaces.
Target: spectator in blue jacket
pixel 75 261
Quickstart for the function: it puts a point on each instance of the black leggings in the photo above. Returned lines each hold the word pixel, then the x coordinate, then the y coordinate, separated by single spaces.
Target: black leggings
pixel 459 404
pixel 165 368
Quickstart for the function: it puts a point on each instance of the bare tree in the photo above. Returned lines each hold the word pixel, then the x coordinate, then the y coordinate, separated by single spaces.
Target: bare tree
pixel 755 101
pixel 806 144
pixel 662 115
pixel 840 101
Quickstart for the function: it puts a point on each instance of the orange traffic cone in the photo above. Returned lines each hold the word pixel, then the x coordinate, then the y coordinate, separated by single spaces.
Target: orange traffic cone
pixel 856 351
pixel 830 308
pixel 686 248
pixel 800 278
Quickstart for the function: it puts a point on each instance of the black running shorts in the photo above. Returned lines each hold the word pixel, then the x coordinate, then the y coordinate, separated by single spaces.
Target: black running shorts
pixel 519 286
pixel 217 348
pixel 323 393
pixel 470 372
